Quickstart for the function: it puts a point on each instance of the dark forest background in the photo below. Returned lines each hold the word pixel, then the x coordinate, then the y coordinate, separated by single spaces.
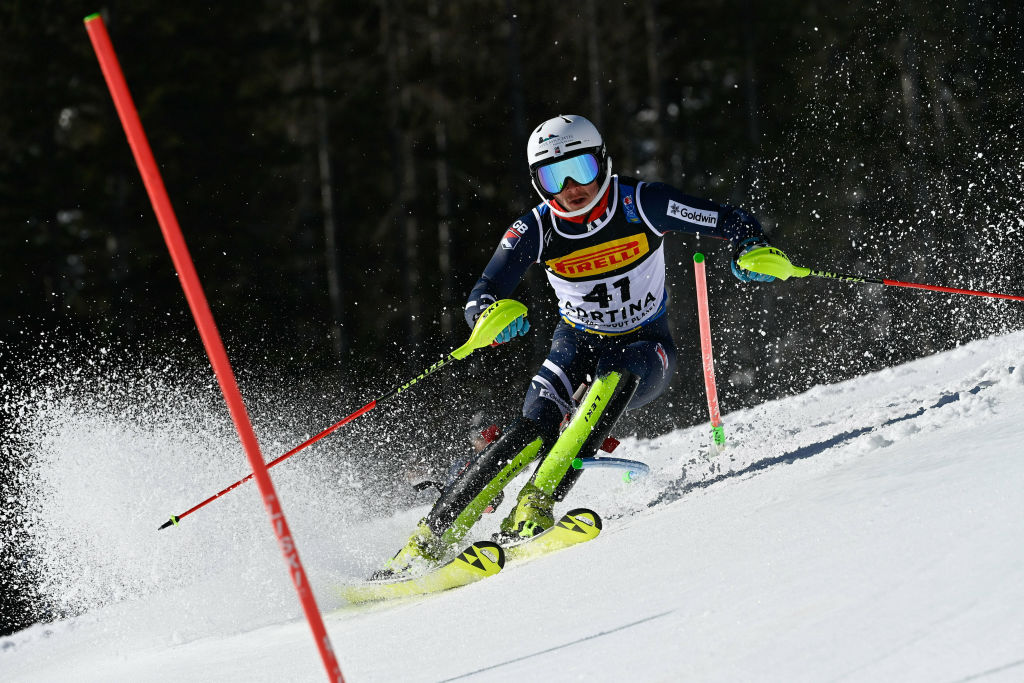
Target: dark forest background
pixel 343 171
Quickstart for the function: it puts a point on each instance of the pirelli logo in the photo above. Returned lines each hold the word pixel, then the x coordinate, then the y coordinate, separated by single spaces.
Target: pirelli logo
pixel 601 258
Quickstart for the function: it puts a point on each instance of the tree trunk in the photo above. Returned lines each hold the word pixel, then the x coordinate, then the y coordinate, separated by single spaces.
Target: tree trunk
pixel 394 47
pixel 444 237
pixel 750 85
pixel 654 98
pixel 339 341
pixel 515 144
pixel 594 66
pixel 408 194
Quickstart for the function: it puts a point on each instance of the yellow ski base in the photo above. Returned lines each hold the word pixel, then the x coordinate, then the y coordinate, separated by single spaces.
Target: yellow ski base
pixel 478 561
pixel 575 527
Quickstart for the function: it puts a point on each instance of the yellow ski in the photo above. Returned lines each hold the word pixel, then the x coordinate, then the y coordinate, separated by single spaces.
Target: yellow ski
pixel 575 527
pixel 478 561
pixel 481 560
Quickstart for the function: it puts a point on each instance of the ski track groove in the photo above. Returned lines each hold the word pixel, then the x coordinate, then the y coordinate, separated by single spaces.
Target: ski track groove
pixel 560 647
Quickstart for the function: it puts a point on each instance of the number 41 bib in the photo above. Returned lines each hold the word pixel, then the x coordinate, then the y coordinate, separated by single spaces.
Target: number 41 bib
pixel 611 279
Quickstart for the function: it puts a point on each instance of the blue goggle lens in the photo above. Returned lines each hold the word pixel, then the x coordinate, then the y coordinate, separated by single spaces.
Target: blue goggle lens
pixel 582 169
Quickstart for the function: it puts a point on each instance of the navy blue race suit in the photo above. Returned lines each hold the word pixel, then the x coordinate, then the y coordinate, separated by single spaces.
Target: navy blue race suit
pixel 609 275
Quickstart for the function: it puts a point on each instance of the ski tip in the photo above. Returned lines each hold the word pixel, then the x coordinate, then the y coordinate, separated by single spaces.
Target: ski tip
pixel 586 516
pixel 91 17
pixel 492 551
pixel 698 257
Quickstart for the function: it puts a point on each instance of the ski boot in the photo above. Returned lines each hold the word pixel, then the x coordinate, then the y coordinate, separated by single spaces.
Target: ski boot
pixel 422 551
pixel 532 515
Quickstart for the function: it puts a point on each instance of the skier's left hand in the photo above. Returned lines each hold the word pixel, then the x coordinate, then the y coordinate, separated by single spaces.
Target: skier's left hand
pixel 517 328
pixel 742 275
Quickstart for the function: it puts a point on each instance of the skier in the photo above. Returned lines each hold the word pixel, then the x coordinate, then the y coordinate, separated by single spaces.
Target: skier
pixel 598 237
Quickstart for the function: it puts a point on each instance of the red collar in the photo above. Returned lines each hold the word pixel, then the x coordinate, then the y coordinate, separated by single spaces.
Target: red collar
pixel 593 214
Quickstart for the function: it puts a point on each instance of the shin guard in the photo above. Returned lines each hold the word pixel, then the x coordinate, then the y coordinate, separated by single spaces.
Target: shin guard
pixel 462 503
pixel 594 420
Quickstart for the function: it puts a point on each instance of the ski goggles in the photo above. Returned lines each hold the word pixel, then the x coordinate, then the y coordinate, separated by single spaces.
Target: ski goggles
pixel 583 169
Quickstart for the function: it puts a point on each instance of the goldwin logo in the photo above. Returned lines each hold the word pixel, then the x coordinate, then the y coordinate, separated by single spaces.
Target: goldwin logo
pixel 692 215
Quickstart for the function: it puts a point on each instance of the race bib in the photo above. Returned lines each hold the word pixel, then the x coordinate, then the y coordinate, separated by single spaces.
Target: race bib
pixel 624 299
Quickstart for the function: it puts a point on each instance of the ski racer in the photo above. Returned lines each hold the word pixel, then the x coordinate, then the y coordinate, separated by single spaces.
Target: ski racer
pixel 598 236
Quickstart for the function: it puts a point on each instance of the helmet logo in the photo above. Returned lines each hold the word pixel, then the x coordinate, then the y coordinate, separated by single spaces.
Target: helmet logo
pixel 550 137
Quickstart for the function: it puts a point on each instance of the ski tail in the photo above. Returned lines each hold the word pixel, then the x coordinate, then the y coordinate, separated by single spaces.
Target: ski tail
pixel 478 561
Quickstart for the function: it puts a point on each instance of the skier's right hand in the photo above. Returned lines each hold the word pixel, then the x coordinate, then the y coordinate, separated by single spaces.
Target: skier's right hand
pixel 517 328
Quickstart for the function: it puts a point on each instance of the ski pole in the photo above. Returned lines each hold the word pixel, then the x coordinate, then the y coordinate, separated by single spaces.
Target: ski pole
pixel 491 322
pixel 704 319
pixel 771 261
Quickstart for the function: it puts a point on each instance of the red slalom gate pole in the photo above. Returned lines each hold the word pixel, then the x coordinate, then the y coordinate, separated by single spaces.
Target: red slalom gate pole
pixel 717 430
pixel 207 329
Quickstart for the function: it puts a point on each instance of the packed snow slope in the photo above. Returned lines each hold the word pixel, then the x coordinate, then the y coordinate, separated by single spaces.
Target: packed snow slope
pixel 866 531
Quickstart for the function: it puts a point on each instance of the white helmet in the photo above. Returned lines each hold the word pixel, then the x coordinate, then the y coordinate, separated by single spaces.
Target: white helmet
pixel 563 138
